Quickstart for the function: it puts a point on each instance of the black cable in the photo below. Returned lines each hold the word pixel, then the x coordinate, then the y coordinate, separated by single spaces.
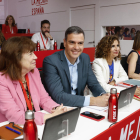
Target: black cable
pixel 112 124
pixel 15 126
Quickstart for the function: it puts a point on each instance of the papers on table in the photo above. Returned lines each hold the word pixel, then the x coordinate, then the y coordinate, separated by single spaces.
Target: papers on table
pixel 97 108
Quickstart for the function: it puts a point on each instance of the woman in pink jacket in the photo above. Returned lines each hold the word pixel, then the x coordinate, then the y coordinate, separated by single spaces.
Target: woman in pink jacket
pixel 20 84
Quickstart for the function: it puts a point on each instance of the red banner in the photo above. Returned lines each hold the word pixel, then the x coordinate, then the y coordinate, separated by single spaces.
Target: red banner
pixel 126 129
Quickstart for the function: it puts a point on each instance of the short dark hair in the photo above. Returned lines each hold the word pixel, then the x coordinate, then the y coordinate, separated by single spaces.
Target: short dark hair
pixel 74 30
pixel 117 29
pixel 11 55
pixel 126 29
pixel 45 21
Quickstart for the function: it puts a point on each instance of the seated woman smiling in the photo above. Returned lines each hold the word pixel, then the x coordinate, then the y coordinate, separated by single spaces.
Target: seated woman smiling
pixel 106 66
pixel 20 84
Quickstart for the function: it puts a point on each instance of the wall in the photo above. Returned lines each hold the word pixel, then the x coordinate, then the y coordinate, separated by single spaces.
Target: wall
pixel 107 13
pixel 2 16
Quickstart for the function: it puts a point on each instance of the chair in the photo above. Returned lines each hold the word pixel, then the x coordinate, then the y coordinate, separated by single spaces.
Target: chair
pixel 124 63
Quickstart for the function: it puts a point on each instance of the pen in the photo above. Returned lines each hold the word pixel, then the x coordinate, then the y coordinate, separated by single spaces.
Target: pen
pixel 13 130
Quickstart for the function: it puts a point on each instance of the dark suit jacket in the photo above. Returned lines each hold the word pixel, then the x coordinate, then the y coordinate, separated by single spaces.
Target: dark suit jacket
pixel 58 83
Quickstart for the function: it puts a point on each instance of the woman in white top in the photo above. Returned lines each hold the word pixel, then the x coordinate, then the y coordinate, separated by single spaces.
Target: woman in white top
pixel 107 66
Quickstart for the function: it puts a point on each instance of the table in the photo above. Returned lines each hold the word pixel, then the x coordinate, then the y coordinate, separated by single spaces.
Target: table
pixel 86 128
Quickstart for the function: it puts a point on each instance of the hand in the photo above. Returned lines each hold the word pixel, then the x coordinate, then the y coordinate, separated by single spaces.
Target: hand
pixel 48 35
pixel 112 83
pixel 100 100
pixel 137 92
pixel 59 110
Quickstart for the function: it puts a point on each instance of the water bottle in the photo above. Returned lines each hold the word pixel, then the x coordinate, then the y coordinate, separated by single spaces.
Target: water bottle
pixel 55 45
pixel 38 46
pixel 113 106
pixel 28 31
pixel 30 128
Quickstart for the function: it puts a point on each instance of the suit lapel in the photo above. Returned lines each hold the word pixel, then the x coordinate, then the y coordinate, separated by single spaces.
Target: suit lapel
pixel 107 69
pixel 115 68
pixel 20 93
pixel 65 65
pixel 79 67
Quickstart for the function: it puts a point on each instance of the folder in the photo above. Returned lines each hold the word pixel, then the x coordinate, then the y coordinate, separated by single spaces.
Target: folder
pixel 7 134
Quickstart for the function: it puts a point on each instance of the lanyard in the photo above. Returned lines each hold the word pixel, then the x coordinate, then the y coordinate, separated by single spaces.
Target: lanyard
pixel 43 41
pixel 139 52
pixel 28 101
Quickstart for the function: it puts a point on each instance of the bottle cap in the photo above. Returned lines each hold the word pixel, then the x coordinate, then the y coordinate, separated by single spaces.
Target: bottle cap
pixel 113 91
pixel 29 115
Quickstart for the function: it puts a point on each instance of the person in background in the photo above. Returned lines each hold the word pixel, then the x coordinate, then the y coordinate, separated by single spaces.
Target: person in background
pixel 20 84
pixel 122 27
pixel 107 67
pixel 108 30
pixel 133 33
pixel 133 59
pixel 67 72
pixel 112 30
pixel 45 39
pixel 2 39
pixel 126 32
pixel 119 32
pixel 10 26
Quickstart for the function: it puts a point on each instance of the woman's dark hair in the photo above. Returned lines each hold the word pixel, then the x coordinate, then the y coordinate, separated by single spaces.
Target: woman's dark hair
pixel 104 46
pixel 126 29
pixel 6 21
pixel 11 54
pixel 136 44
pixel 132 29
pixel 2 39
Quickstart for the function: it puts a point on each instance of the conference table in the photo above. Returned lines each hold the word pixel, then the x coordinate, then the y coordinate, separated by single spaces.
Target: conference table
pixel 128 125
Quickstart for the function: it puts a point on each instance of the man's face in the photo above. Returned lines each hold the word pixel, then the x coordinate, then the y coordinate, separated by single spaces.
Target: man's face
pixel 45 28
pixel 74 46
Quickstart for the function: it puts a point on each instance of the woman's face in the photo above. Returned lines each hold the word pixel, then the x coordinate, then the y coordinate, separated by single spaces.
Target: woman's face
pixel 28 61
pixel 115 49
pixel 10 20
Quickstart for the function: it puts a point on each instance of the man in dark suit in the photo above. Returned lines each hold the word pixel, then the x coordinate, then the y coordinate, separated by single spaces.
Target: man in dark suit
pixel 67 72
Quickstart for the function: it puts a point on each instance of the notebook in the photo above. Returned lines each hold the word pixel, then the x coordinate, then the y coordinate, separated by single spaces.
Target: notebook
pixel 132 82
pixel 8 134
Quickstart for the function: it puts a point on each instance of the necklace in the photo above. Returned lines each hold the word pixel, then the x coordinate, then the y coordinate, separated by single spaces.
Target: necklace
pixel 24 82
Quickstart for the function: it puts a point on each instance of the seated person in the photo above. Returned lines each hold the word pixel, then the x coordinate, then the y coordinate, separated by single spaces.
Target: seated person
pixel 126 32
pixel 2 39
pixel 45 39
pixel 133 59
pixel 107 66
pixel 10 26
pixel 20 85
pixel 67 72
pixel 133 33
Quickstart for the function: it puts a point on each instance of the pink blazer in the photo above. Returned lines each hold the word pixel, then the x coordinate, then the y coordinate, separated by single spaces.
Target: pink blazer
pixel 12 101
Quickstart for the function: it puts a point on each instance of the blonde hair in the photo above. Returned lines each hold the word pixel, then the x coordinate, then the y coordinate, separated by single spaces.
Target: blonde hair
pixel 6 21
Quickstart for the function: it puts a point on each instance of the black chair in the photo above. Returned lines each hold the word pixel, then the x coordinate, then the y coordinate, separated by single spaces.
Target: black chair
pixel 62 46
pixel 1 27
pixel 124 63
pixel 41 76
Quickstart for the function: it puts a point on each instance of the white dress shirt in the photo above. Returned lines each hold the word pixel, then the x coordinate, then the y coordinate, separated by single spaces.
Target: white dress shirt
pixel 49 44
